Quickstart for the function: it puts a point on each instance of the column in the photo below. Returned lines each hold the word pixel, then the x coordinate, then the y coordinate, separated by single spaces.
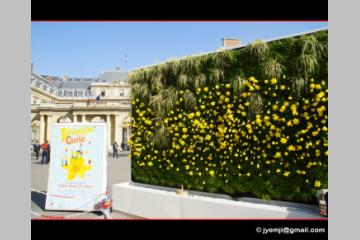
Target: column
pixel 108 123
pixel 48 127
pixel 116 129
pixel 42 129
pixel 83 118
pixel 75 119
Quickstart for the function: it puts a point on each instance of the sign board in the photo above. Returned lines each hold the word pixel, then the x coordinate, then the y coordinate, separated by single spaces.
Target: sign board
pixel 77 174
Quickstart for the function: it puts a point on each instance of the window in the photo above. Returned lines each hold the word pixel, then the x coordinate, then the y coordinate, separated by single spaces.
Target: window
pixel 80 93
pixel 60 93
pixel 75 93
pixel 122 93
pixel 65 93
pixel 70 93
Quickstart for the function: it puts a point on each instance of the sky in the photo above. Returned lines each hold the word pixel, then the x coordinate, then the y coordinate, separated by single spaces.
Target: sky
pixel 85 49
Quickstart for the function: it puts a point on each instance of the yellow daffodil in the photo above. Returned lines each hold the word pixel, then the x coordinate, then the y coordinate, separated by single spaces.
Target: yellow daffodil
pixel 286 174
pixel 317 183
pixel 273 81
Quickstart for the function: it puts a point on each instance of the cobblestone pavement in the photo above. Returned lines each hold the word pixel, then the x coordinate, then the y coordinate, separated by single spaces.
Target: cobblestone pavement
pixel 118 171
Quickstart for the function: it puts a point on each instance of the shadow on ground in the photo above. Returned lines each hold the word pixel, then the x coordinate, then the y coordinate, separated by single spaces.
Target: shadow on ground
pixel 38 199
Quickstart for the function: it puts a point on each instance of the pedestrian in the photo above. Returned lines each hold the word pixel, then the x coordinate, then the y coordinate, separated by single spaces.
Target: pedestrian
pixel 36 149
pixel 48 155
pixel 45 150
pixel 122 146
pixel 115 150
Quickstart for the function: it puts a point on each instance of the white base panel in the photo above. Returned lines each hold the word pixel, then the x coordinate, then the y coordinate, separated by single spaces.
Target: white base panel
pixel 161 202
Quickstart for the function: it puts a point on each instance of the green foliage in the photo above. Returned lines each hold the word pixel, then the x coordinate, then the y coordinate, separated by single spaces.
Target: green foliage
pixel 204 122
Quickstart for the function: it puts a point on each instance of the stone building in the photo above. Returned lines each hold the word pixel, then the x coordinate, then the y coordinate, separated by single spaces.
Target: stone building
pixel 102 99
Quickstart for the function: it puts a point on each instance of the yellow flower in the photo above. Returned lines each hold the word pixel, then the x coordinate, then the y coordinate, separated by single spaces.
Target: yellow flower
pixel 283 140
pixel 206 89
pixel 294 109
pixel 273 81
pixel 202 106
pixel 190 173
pixel 185 130
pixel 296 121
pixel 312 85
pixel 198 114
pixel 187 167
pixel 228 85
pixel 286 174
pixel 317 183
pixel 212 103
pixel 291 148
pixel 191 115
pixel 150 164
pixel 282 87
pixel 278 170
pixel 277 155
pixel 212 173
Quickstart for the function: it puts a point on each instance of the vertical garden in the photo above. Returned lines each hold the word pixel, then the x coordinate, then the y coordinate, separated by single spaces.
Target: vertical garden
pixel 250 121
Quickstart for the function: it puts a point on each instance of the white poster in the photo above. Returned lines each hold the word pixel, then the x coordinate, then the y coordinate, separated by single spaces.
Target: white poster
pixel 77 174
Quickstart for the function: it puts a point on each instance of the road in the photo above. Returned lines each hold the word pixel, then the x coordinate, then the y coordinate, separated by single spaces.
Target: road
pixel 118 171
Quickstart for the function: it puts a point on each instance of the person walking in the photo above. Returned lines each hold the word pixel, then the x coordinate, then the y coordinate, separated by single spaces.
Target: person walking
pixel 48 154
pixel 115 150
pixel 45 150
pixel 36 149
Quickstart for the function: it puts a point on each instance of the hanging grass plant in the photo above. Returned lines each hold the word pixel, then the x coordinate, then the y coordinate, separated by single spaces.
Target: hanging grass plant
pixel 299 86
pixel 160 137
pixel 257 49
pixel 189 99
pixel 256 104
pixel 238 84
pixel 200 81
pixel 271 68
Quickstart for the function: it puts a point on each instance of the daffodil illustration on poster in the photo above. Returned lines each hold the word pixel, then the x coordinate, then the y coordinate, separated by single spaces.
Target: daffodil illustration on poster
pixel 77 174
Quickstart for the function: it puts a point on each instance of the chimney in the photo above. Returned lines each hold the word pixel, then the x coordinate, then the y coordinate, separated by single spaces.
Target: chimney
pixel 117 68
pixel 32 68
pixel 230 42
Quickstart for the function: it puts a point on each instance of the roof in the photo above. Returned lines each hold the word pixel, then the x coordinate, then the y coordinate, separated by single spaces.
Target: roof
pixel 72 84
pixel 84 83
pixel 113 75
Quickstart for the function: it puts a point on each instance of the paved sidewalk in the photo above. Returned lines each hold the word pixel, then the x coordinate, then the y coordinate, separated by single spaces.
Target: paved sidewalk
pixel 118 171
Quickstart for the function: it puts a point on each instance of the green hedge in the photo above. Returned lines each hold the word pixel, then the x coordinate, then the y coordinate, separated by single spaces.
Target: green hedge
pixel 220 123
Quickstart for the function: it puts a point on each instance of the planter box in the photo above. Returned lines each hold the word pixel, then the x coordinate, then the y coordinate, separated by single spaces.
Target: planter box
pixel 162 202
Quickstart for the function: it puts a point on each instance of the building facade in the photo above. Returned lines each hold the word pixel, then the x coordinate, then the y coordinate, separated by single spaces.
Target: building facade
pixel 102 99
